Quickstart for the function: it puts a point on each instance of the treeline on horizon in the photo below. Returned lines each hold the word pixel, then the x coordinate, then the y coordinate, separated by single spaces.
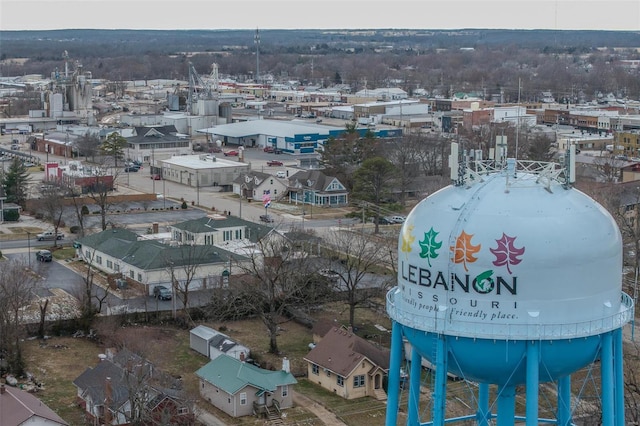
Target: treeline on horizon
pixel 574 65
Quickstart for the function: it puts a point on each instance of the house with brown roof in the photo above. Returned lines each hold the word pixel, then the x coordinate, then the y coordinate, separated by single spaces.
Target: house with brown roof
pixel 348 365
pixel 20 408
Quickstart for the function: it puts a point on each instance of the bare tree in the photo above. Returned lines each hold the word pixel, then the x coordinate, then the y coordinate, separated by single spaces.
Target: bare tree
pixel 404 154
pixel 17 286
pixel 272 285
pixel 632 383
pixel 51 204
pixel 607 168
pixel 622 201
pixel 99 190
pixel 183 264
pixel 88 146
pixel 91 297
pixel 77 200
pixel 359 256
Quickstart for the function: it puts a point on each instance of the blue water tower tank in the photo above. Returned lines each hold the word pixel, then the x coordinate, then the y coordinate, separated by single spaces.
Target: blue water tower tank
pixel 509 277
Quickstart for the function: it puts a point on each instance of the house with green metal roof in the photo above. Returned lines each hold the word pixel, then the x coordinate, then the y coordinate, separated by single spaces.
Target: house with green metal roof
pixel 242 389
pixel 149 263
pixel 218 229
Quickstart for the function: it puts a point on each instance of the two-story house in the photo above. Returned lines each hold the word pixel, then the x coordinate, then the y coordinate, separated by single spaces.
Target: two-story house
pixel 315 188
pixel 253 185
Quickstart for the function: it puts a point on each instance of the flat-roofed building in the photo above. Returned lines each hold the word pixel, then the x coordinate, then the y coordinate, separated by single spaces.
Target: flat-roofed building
pixel 202 170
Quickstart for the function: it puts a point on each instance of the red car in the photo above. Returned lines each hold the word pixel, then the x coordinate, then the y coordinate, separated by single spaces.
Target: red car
pixel 231 153
pixel 156 177
pixel 269 149
pixel 274 163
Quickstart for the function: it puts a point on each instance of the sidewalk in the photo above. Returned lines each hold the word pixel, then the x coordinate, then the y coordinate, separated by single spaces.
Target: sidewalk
pixel 326 416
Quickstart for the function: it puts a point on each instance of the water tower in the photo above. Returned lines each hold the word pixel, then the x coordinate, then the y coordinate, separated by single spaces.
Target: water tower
pixel 508 278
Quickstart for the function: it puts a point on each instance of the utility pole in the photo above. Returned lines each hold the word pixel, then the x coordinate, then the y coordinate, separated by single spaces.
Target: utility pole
pixel 257 42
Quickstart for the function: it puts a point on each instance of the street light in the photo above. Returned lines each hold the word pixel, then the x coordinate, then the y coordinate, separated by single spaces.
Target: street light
pixel 29 247
pixel 164 197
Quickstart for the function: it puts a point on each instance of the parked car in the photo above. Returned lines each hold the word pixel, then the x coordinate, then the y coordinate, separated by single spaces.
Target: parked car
pixel 383 221
pixel 277 151
pixel 330 274
pixel 281 174
pixel 156 177
pixel 396 219
pixel 266 218
pixel 268 149
pixel 160 292
pixel 44 256
pixel 49 235
pixel 129 169
pixel 232 153
pixel 274 163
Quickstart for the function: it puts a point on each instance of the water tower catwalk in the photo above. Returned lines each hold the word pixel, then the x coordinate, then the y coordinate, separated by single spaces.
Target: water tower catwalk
pixel 509 278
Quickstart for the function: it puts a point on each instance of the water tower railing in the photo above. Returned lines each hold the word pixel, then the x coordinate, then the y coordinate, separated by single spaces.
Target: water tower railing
pixel 442 324
pixel 544 172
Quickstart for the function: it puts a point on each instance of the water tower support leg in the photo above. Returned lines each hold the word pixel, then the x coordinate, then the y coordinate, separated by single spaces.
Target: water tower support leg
pixel 414 388
pixel 564 401
pixel 533 382
pixel 506 405
pixel 394 374
pixel 606 356
pixel 440 388
pixel 483 415
pixel 619 378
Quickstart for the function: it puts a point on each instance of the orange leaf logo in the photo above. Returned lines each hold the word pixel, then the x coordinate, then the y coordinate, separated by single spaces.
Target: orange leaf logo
pixel 463 251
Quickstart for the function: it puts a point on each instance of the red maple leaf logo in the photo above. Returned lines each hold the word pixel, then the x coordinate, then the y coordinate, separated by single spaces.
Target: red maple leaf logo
pixel 507 253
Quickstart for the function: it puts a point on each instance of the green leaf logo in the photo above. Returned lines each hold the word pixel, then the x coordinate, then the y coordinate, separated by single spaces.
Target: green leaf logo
pixel 429 246
pixel 483 283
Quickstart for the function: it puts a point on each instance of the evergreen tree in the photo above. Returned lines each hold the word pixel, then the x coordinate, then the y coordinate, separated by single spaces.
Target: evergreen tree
pixel 114 146
pixel 16 182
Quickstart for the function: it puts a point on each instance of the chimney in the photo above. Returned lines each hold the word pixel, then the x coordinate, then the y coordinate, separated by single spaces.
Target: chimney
pixel 242 356
pixel 285 365
pixel 107 401
pixel 155 227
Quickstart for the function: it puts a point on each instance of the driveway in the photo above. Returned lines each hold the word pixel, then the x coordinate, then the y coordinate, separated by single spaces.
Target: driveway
pixel 326 416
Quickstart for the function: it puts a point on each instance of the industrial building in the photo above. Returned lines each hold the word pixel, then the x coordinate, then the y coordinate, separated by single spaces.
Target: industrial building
pixel 202 170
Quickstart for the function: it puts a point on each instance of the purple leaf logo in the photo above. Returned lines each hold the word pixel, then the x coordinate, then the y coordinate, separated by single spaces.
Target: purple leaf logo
pixel 506 253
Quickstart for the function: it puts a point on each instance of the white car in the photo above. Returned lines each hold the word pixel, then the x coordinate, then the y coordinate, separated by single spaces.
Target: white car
pixel 396 219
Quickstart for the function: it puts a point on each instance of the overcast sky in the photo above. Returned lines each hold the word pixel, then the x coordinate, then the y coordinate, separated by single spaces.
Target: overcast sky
pixel 320 14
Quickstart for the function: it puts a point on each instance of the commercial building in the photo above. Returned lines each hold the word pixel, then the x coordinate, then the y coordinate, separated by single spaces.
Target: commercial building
pixel 202 170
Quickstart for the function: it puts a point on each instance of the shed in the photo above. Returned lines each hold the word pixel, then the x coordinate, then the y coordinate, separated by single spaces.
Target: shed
pixel 212 343
pixel 224 345
pixel 200 337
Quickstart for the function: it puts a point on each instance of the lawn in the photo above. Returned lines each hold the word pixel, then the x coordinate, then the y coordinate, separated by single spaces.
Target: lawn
pixel 58 361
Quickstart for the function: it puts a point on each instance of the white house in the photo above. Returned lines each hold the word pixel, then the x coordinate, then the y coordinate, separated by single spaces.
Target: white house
pixel 253 185
pixel 149 263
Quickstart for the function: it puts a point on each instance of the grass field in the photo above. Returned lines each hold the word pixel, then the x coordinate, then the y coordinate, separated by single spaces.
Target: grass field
pixel 58 361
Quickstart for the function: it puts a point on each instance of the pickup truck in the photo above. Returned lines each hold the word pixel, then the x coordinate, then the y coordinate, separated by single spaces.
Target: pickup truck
pixel 50 235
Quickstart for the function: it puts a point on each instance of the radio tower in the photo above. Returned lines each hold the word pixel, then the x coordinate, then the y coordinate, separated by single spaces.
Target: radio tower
pixel 257 41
